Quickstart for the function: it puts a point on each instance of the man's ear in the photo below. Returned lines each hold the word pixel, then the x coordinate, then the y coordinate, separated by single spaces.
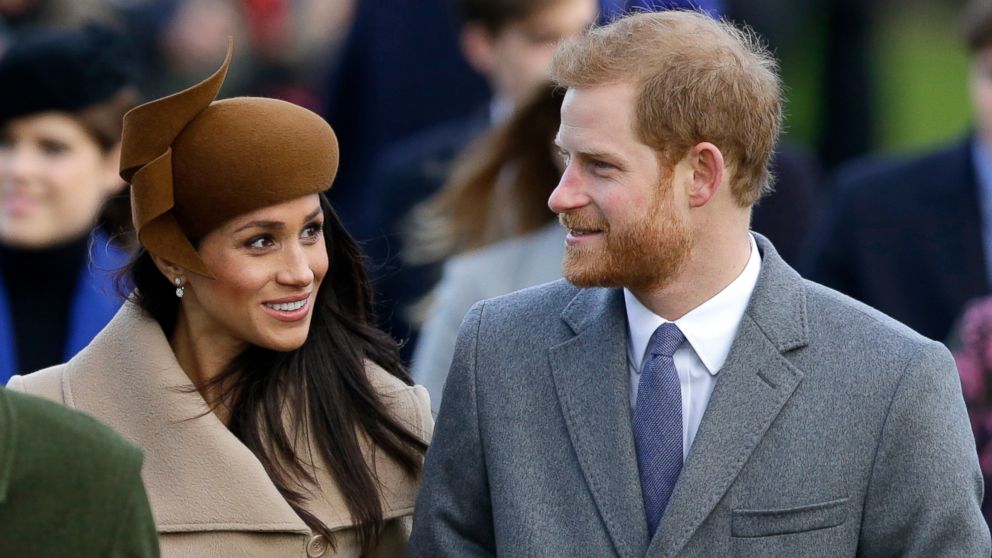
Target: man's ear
pixel 706 163
pixel 477 46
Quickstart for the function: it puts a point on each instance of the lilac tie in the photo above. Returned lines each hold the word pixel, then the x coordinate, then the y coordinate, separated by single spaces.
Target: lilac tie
pixel 658 423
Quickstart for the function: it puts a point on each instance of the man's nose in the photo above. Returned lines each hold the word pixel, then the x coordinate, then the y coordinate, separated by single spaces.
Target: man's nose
pixel 570 193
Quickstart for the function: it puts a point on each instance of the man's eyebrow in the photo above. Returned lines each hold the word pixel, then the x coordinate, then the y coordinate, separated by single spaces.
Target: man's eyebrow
pixel 262 224
pixel 594 154
pixel 597 154
pixel 589 152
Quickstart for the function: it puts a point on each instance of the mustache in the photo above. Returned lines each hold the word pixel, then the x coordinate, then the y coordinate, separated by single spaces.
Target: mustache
pixel 582 221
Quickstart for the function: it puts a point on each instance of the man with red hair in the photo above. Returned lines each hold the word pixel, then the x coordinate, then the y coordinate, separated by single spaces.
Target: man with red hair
pixel 684 392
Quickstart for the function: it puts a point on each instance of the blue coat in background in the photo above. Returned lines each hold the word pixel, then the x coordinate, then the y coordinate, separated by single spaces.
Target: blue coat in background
pixel 610 9
pixel 93 305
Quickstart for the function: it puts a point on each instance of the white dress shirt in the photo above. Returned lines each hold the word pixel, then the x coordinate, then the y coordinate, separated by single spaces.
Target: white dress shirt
pixel 709 330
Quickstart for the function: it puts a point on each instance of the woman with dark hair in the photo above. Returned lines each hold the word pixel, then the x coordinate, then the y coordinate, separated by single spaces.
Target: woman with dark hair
pixel 62 97
pixel 491 226
pixel 275 419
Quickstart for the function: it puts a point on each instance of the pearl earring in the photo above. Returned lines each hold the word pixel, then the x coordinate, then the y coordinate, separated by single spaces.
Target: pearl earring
pixel 180 289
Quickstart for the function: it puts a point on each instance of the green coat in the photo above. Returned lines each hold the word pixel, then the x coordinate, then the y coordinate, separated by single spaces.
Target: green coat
pixel 69 486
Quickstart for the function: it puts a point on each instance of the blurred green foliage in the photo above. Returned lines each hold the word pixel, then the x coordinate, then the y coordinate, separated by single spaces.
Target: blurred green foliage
pixel 919 71
pixel 921 77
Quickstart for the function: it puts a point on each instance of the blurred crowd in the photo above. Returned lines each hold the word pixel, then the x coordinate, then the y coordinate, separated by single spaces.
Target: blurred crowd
pixel 446 124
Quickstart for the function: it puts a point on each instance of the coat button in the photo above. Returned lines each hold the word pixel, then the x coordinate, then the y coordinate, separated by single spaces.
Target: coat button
pixel 316 547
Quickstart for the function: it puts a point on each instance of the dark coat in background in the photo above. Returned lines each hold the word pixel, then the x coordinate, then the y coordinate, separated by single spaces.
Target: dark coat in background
pixel 400 71
pixel 69 486
pixel 905 236
pixel 787 215
pixel 407 175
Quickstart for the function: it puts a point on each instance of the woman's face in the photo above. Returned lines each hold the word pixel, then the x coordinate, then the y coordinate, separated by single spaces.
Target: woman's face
pixel 268 266
pixel 54 179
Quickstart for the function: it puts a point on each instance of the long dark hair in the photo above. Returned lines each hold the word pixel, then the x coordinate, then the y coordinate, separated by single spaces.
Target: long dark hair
pixel 498 188
pixel 322 387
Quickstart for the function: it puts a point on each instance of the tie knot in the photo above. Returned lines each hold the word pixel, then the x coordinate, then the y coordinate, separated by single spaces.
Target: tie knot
pixel 666 340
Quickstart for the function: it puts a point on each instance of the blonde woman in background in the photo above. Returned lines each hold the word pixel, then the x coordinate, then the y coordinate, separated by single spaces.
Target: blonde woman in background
pixel 491 226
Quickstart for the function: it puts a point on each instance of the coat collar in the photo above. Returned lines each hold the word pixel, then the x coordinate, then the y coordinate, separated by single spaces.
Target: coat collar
pixel 95 301
pixel 199 476
pixel 590 374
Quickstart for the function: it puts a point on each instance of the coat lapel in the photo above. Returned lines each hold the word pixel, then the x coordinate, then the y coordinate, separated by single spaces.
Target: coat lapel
pixel 753 386
pixel 590 375
pixel 198 475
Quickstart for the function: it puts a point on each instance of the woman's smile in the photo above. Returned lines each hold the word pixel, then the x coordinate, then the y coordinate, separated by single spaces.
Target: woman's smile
pixel 289 309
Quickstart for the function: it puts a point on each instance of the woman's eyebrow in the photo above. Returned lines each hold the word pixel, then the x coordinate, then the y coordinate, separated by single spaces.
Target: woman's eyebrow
pixel 261 225
pixel 274 224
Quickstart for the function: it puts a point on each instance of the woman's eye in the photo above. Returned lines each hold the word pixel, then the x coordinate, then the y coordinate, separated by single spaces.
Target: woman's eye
pixel 313 230
pixel 259 242
pixel 50 147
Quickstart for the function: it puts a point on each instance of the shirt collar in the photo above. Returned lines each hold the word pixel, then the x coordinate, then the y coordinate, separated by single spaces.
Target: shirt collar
pixel 710 328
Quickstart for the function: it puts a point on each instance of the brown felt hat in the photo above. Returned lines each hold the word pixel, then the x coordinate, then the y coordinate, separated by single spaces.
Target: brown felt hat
pixel 195 163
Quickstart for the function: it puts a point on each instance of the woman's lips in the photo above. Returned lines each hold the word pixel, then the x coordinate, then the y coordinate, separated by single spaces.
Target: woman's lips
pixel 289 309
pixel 14 205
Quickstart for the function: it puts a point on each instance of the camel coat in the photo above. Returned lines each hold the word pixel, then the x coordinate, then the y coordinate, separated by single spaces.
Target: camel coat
pixel 209 494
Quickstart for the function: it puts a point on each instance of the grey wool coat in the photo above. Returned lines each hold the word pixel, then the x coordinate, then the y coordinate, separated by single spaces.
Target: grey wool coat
pixel 832 431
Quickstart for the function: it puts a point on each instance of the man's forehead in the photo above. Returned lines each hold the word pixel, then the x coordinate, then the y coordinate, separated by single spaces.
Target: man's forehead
pixel 599 104
pixel 584 140
pixel 596 115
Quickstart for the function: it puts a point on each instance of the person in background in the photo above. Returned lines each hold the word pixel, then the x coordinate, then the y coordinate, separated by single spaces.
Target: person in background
pixel 62 97
pixel 510 42
pixel 274 417
pixel 912 235
pixel 684 392
pixel 69 486
pixel 490 226
pixel 399 71
pixel 971 345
